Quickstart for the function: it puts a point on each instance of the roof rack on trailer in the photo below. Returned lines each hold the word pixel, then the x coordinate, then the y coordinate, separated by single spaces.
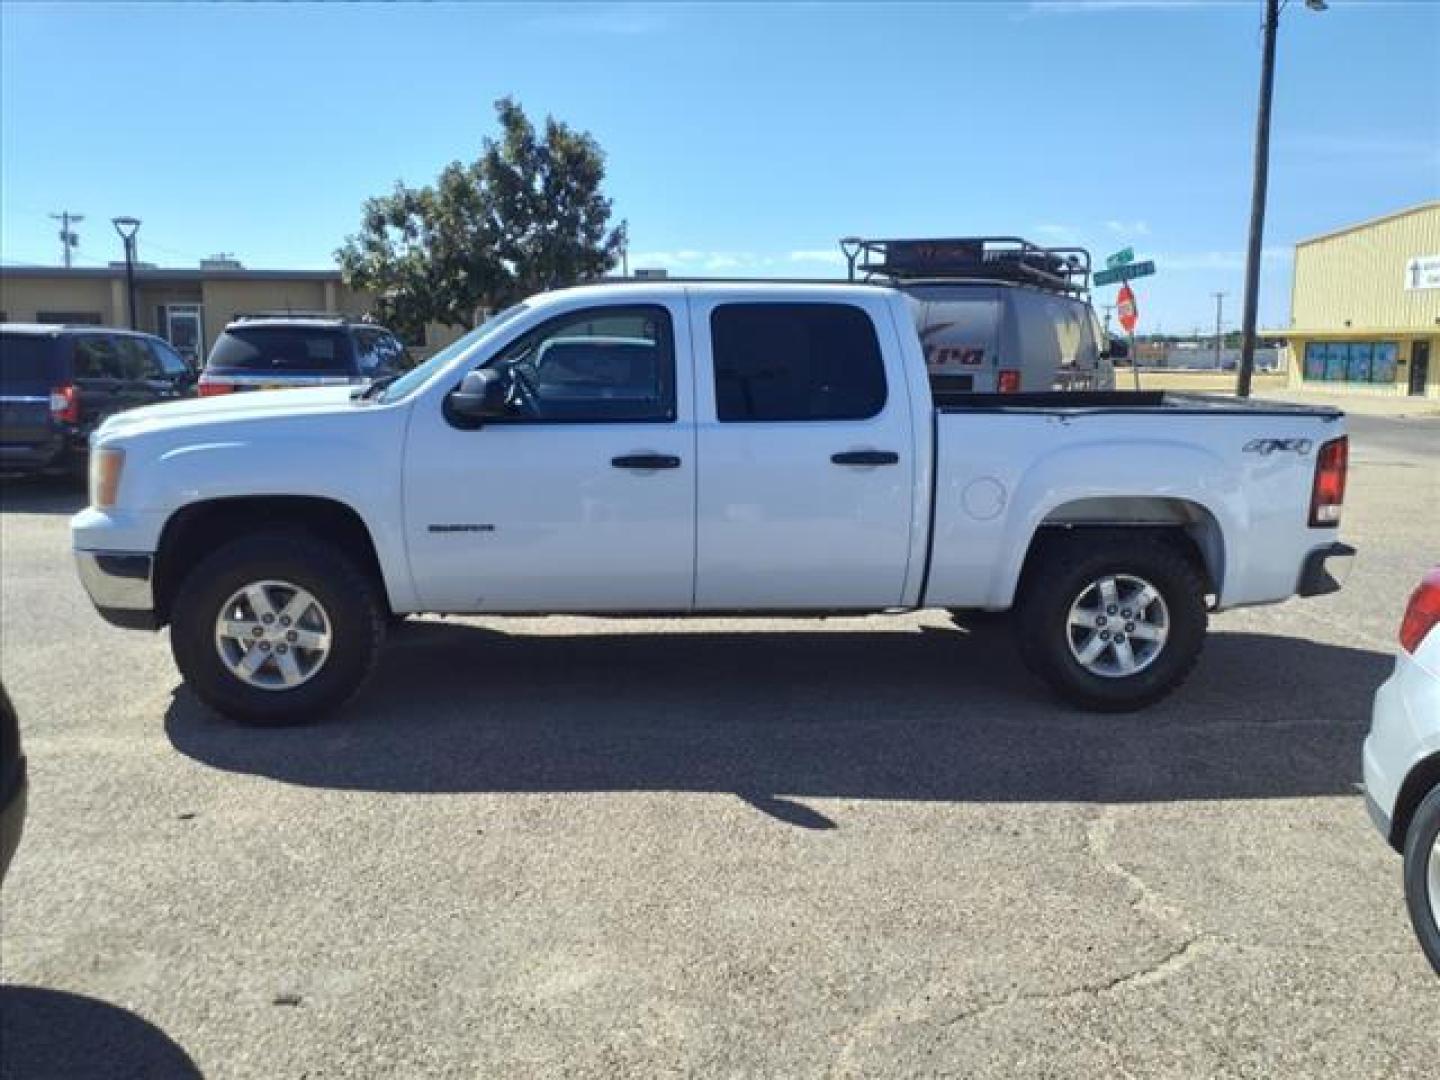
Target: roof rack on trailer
pixel 969 258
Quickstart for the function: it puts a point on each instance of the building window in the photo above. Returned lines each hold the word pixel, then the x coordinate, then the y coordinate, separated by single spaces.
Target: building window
pixel 81 318
pixel 1353 361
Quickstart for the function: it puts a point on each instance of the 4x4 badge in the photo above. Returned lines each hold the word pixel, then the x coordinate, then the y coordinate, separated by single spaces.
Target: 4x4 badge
pixel 1266 447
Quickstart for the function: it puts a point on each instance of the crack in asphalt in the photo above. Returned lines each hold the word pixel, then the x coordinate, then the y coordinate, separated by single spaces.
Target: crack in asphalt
pixel 1099 833
pixel 1147 902
pixel 1175 960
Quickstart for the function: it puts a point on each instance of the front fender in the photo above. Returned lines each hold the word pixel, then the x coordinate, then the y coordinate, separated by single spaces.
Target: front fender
pixel 354 459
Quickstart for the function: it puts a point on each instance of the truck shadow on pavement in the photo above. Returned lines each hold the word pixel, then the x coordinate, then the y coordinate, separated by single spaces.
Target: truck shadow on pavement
pixel 52 1033
pixel 934 714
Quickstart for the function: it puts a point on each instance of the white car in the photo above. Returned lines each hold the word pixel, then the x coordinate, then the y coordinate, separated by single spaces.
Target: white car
pixel 1402 760
pixel 685 448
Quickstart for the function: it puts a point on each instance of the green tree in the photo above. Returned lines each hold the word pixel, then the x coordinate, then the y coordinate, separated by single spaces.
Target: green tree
pixel 528 214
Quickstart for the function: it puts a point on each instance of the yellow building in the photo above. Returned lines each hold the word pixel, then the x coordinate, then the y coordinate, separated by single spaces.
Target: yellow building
pixel 189 307
pixel 1365 307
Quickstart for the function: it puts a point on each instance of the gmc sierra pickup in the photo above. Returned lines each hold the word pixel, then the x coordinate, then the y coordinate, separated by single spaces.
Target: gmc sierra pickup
pixel 698 448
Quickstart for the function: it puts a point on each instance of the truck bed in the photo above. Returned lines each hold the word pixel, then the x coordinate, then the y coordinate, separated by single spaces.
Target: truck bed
pixel 1235 473
pixel 1108 401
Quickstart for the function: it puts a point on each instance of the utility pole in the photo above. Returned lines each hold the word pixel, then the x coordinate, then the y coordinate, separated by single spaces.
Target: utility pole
pixel 1219 306
pixel 68 239
pixel 1257 195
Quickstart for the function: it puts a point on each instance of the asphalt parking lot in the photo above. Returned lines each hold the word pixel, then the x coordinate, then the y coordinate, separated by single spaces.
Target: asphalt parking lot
pixel 740 848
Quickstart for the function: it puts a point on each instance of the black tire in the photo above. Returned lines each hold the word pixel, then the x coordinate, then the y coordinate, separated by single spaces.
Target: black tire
pixel 350 598
pixel 1057 575
pixel 1419 845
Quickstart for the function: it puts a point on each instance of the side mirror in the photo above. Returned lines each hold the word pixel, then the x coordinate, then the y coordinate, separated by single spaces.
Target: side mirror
pixel 480 396
pixel 1119 349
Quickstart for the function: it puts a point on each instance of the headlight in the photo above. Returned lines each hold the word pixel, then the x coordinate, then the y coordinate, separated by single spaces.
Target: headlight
pixel 106 465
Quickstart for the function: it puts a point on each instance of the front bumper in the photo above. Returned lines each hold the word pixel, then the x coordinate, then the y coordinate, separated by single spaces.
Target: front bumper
pixel 1316 578
pixel 121 586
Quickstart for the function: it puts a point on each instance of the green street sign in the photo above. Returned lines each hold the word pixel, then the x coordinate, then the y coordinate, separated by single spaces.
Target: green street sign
pixel 1117 274
pixel 1123 257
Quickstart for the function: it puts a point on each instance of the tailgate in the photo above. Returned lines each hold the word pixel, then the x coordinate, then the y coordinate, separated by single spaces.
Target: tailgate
pixel 25 385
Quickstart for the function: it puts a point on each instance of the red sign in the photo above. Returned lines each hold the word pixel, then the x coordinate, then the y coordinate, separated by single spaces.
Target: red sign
pixel 1126 310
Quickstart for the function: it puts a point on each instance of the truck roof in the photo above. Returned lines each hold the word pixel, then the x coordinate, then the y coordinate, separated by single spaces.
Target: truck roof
pixel 723 286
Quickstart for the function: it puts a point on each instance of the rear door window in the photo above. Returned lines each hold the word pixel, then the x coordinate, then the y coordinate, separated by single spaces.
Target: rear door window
pixel 96 357
pixel 796 362
pixel 279 349
pixel 25 364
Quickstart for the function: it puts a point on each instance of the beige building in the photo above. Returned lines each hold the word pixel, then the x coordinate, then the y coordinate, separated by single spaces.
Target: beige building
pixel 1365 307
pixel 188 307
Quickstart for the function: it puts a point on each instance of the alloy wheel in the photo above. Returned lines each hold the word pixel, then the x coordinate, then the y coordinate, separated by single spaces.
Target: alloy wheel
pixel 1117 626
pixel 273 635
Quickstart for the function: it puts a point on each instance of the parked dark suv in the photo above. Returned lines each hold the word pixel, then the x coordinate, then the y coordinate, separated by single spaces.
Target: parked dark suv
pixel 58 382
pixel 276 352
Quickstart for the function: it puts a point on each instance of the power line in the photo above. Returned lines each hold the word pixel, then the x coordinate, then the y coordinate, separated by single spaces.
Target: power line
pixel 1219 335
pixel 68 239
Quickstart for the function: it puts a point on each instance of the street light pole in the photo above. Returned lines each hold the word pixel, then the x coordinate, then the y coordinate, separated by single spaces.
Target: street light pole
pixel 127 227
pixel 1257 195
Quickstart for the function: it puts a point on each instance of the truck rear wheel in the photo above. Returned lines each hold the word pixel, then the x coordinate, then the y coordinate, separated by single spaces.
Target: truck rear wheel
pixel 1112 619
pixel 276 628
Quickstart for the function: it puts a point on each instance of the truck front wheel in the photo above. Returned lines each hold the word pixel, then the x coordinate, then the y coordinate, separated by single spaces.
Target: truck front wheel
pixel 276 628
pixel 1112 619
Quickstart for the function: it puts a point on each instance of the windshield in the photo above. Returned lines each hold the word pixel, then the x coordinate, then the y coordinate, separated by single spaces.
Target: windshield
pixel 412 380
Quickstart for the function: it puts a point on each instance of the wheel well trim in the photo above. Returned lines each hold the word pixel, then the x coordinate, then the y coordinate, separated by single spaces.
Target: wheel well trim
pixel 190 515
pixel 1423 777
pixel 1204 532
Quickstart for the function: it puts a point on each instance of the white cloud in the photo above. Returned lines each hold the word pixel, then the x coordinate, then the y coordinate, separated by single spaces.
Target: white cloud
pixel 724 260
pixel 1366 147
pixel 1128 228
pixel 1065 234
pixel 612 20
pixel 829 256
pixel 1216 260
pixel 1096 7
pixel 689 260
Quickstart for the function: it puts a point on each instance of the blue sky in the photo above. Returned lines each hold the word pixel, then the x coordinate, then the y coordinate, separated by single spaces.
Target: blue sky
pixel 741 138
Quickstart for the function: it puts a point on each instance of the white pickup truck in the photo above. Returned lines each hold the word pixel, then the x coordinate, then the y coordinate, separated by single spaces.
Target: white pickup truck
pixel 698 448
